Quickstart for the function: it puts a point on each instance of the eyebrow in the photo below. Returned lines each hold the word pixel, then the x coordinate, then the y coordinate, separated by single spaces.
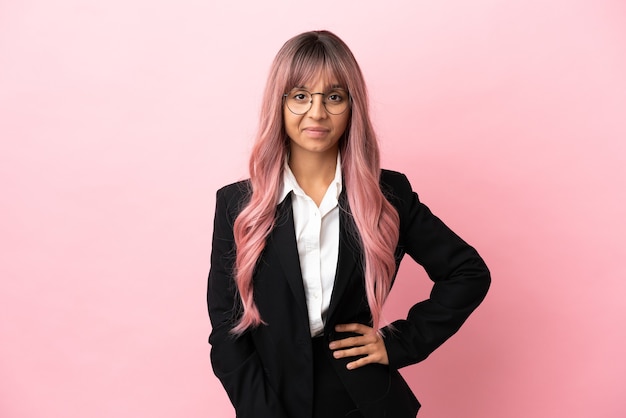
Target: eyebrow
pixel 329 87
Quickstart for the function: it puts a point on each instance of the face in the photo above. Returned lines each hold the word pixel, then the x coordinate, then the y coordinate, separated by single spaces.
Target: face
pixel 316 131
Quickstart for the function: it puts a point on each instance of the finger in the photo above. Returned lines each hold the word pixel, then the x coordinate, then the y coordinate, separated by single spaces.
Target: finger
pixel 363 361
pixel 353 352
pixel 368 336
pixel 358 363
pixel 374 352
pixel 354 327
pixel 352 342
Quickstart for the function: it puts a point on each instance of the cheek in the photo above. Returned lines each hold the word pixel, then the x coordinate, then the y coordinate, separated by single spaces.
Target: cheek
pixel 343 124
pixel 291 123
pixel 287 122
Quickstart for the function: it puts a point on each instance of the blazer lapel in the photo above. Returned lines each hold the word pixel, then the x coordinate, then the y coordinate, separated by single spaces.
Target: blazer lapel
pixel 349 255
pixel 282 242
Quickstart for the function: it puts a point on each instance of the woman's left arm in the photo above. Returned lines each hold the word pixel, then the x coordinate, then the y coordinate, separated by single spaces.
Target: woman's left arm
pixel 461 279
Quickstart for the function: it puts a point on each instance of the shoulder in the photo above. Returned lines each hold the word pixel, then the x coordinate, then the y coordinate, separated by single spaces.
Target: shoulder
pixel 392 177
pixel 240 188
pixel 394 184
pixel 234 196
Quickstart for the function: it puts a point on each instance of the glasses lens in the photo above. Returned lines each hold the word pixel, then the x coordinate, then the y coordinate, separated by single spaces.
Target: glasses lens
pixel 335 101
pixel 299 101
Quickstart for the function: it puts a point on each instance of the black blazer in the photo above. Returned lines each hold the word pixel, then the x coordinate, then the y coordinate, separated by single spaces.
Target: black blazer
pixel 268 373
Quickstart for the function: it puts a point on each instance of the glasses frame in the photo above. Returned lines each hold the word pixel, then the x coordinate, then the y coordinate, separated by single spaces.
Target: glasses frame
pixel 349 105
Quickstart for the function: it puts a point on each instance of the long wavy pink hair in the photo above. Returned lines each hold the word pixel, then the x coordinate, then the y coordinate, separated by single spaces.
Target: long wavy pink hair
pixel 304 58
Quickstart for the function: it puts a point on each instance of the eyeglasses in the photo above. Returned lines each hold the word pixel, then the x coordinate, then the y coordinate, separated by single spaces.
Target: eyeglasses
pixel 300 101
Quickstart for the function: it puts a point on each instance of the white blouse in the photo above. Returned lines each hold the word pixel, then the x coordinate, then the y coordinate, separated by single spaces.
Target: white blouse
pixel 317 235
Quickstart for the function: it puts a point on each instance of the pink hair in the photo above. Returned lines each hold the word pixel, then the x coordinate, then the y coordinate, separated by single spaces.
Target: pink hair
pixel 302 59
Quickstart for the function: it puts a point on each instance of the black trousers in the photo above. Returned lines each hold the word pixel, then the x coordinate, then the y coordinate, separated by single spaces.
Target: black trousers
pixel 330 398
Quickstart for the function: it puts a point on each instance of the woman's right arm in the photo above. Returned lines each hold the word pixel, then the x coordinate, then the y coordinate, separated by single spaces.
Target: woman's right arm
pixel 235 360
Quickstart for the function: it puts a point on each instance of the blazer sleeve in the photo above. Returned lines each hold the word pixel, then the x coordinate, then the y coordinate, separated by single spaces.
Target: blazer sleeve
pixel 235 360
pixel 461 279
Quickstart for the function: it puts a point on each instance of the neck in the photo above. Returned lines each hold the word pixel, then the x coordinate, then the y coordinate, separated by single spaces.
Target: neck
pixel 314 173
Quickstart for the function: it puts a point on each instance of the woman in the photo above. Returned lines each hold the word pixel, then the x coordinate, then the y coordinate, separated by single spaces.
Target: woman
pixel 306 251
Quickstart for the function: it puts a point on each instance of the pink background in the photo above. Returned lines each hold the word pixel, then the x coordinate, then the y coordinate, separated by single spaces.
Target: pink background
pixel 120 119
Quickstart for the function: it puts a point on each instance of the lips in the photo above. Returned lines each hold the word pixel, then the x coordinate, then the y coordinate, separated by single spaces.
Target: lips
pixel 316 131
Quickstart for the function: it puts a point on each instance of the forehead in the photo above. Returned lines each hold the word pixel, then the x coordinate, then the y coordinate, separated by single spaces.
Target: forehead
pixel 318 76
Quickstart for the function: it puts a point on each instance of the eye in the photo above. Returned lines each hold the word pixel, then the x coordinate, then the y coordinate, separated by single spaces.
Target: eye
pixel 300 96
pixel 336 96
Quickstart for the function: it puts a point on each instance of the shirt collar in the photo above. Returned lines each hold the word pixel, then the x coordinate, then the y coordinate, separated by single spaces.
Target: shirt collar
pixel 290 184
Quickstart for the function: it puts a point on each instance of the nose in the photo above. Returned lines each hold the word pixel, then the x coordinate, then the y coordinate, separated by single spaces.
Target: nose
pixel 317 110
